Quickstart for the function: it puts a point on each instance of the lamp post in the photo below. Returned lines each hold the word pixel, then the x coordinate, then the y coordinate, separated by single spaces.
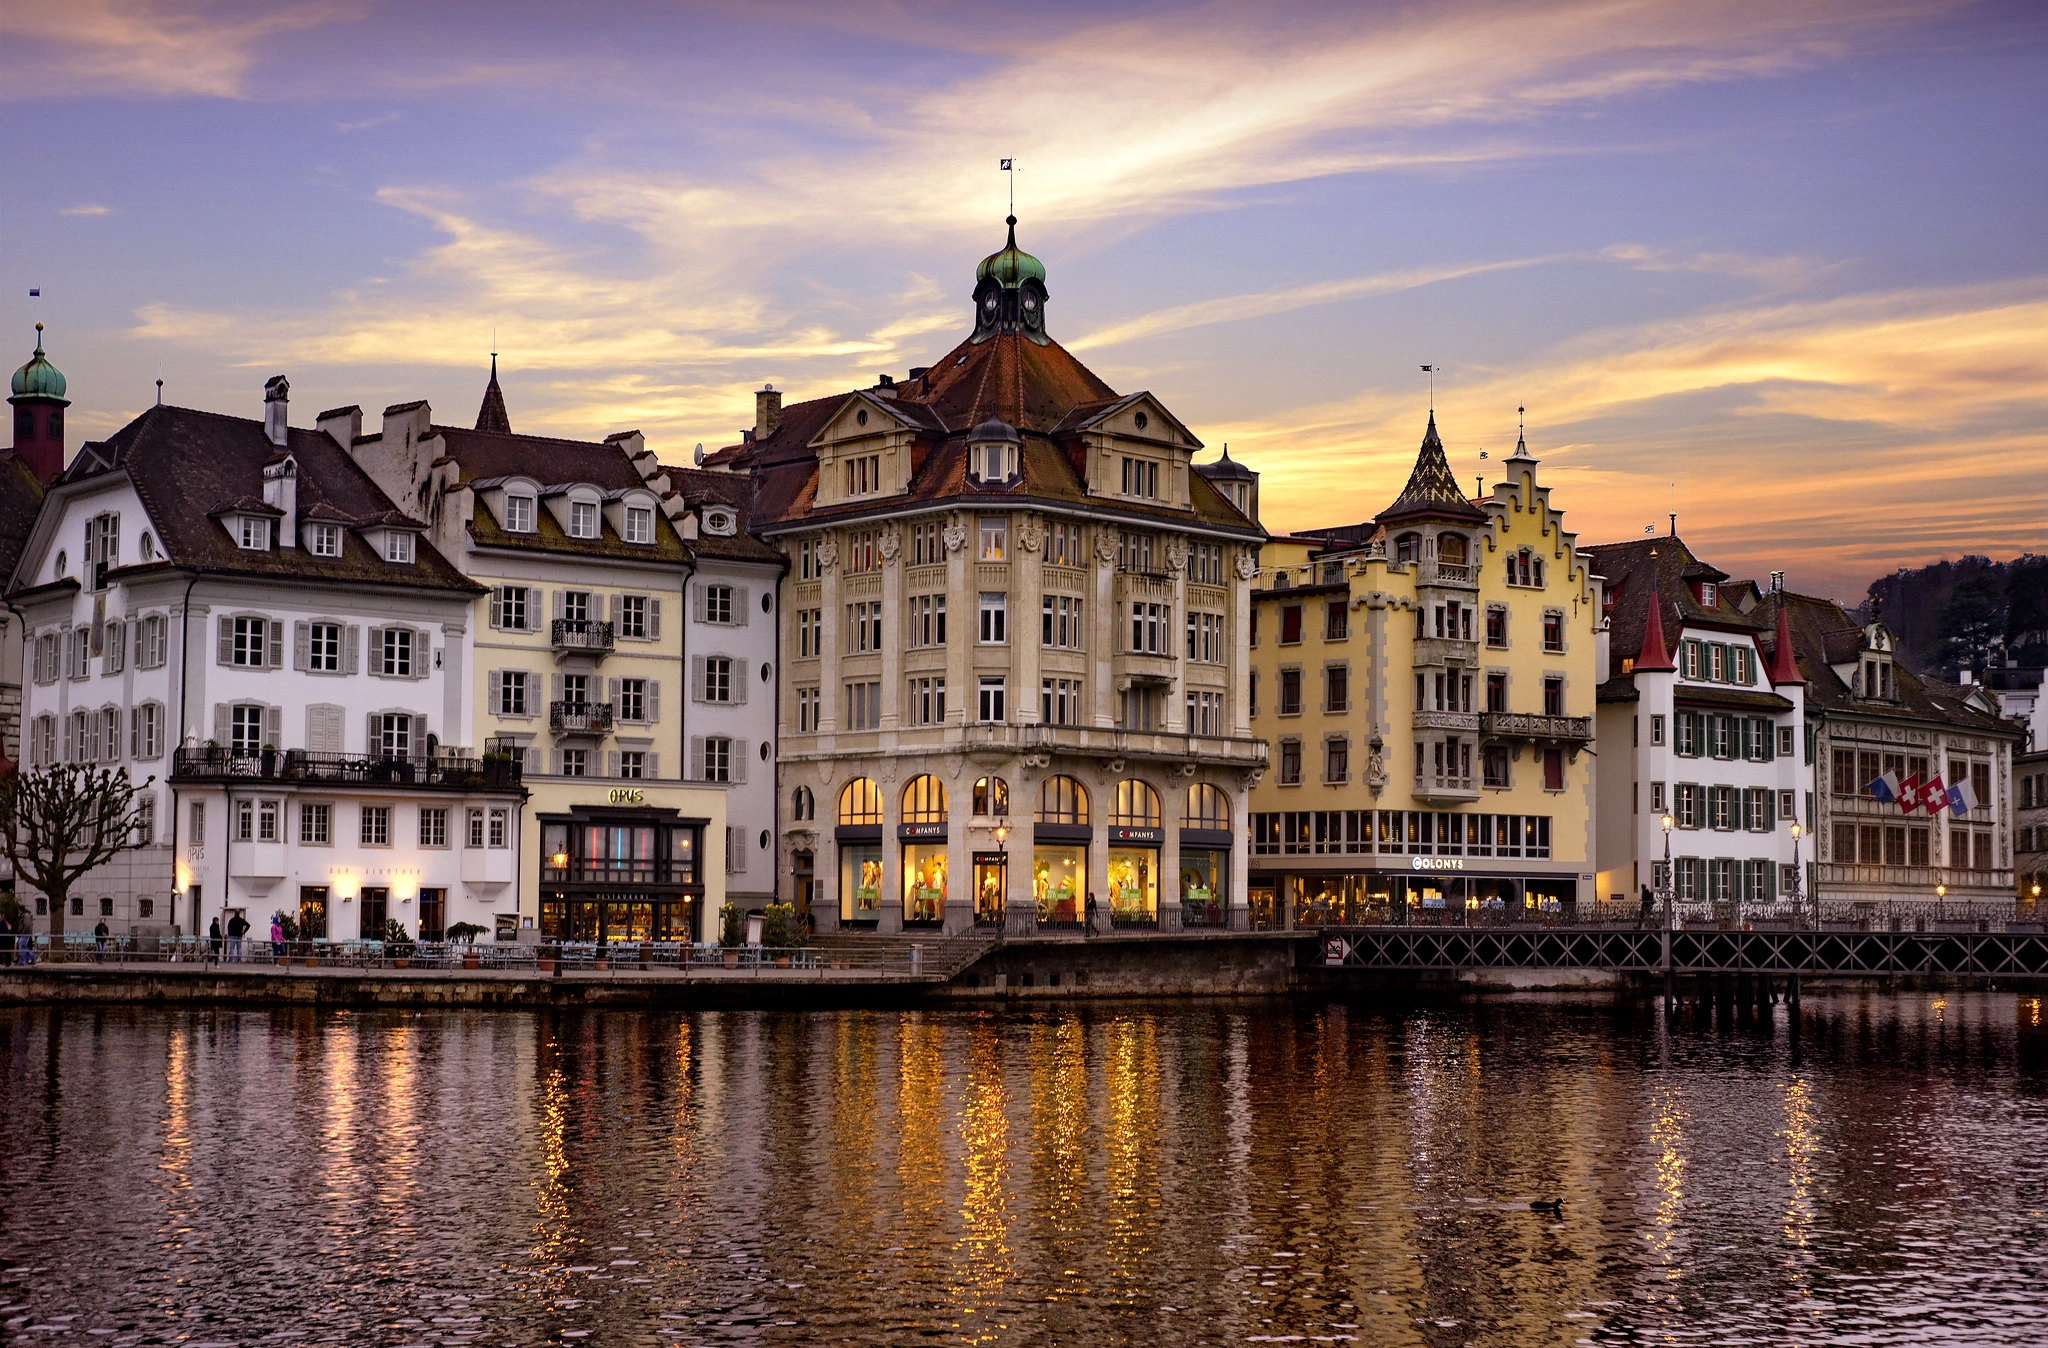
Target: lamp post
pixel 1670 894
pixel 1003 862
pixel 1797 834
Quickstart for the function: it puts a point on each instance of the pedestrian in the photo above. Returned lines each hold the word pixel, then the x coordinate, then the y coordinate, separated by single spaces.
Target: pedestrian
pixel 277 935
pixel 1089 914
pixel 213 939
pixel 238 927
pixel 99 938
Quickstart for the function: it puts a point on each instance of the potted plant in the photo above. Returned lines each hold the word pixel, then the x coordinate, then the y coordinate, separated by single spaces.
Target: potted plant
pixel 398 943
pixel 465 933
pixel 544 959
pixel 779 933
pixel 730 936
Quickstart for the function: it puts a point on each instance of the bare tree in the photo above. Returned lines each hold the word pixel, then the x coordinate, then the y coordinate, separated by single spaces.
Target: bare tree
pixel 57 823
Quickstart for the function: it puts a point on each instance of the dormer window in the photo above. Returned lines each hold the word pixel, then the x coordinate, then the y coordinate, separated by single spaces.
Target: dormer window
pixel 993 463
pixel 253 534
pixel 324 540
pixel 518 514
pixel 720 523
pixel 639 524
pixel 398 548
pixel 1141 478
pixel 864 475
pixel 1710 594
pixel 583 519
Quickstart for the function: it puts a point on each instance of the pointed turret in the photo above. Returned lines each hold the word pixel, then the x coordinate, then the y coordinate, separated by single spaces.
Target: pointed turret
pixel 1784 667
pixel 491 416
pixel 1432 491
pixel 1655 656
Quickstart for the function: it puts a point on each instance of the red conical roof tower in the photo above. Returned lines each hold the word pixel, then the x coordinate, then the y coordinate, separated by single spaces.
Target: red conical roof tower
pixel 1784 669
pixel 1654 658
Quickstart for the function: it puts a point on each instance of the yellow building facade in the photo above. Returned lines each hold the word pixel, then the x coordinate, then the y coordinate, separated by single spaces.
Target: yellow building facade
pixel 1425 682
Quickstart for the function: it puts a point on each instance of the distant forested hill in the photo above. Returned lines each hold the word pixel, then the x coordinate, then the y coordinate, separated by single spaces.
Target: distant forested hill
pixel 1951 615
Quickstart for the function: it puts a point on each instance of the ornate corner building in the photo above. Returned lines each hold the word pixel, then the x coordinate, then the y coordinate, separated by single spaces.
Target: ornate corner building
pixel 1426 681
pixel 1013 632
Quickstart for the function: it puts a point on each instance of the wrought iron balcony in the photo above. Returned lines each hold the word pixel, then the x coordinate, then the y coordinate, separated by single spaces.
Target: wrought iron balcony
pixel 1516 725
pixel 580 718
pixel 491 772
pixel 583 635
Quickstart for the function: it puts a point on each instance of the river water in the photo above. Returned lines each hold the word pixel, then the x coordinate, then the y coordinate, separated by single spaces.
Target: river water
pixel 1156 1174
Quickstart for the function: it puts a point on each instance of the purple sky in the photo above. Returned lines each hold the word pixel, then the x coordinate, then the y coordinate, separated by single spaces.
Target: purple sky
pixel 1781 267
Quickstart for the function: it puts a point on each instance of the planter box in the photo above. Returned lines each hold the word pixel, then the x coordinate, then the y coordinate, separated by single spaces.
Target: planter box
pixel 732 959
pixel 472 962
pixel 546 966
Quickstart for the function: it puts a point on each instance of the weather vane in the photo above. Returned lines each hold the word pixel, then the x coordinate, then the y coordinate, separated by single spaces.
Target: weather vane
pixel 1009 166
pixel 1430 370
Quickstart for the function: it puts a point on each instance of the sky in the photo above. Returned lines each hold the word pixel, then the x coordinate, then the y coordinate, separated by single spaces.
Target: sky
pixel 1779 267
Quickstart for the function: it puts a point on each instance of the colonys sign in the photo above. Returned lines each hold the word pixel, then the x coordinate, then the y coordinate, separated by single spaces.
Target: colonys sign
pixel 1437 863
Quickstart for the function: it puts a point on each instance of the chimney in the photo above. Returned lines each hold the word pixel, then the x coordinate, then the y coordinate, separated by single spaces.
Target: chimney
pixel 281 489
pixel 277 392
pixel 767 412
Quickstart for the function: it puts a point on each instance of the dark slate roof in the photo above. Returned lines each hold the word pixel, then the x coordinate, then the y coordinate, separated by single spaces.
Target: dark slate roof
pixel 1225 469
pixel 1823 635
pixel 484 456
pixel 21 499
pixel 183 463
pixel 1635 570
pixel 1432 491
pixel 735 491
pixel 491 416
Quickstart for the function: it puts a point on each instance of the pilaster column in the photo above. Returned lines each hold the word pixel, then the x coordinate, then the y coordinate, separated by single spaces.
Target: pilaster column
pixel 892 629
pixel 1027 584
pixel 962 550
pixel 1102 648
pixel 830 642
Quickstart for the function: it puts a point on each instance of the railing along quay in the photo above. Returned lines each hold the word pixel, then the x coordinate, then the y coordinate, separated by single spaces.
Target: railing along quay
pixel 1845 952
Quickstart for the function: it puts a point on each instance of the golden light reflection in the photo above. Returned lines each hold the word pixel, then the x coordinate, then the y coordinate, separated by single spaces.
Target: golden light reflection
pixel 984 1249
pixel 176 1159
pixel 1059 1151
pixel 1667 1135
pixel 1801 1148
pixel 1130 1073
pixel 551 1200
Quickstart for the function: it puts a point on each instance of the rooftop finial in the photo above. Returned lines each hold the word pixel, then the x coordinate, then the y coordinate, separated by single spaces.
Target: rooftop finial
pixel 1430 370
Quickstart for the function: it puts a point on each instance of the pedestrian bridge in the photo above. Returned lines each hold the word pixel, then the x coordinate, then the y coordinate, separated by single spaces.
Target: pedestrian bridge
pixel 1635 950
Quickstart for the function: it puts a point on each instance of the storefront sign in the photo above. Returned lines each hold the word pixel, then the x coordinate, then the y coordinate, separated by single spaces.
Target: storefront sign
pixel 1137 835
pixel 625 795
pixel 920 830
pixel 1437 863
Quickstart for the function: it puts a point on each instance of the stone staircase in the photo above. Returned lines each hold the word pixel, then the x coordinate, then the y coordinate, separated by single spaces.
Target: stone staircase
pixel 944 957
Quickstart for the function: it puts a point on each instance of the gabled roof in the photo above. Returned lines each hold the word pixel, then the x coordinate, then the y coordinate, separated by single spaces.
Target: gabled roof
pixel 1432 491
pixel 1009 377
pixel 1636 571
pixel 1823 636
pixel 735 491
pixel 183 463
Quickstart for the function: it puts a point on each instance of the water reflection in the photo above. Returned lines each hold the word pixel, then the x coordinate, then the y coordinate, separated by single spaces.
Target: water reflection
pixel 1163 1175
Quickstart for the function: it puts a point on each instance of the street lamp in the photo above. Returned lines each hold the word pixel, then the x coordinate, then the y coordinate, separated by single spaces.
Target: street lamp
pixel 1670 880
pixel 1797 834
pixel 1003 863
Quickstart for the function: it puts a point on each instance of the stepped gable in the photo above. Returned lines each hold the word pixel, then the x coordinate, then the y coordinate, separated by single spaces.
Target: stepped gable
pixel 1663 566
pixel 184 463
pixel 1432 491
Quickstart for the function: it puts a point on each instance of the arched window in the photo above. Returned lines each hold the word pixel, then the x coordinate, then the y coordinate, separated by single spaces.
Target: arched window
pixel 802 804
pixel 860 802
pixel 1407 547
pixel 924 801
pixel 991 796
pixel 1137 805
pixel 1206 807
pixel 1062 800
pixel 1451 548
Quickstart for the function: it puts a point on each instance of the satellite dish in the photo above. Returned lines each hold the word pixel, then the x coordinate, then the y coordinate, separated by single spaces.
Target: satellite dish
pixel 700 453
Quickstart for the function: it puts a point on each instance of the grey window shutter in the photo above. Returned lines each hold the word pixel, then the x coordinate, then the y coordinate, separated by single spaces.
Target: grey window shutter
pixel 739 762
pixel 376 650
pixel 654 765
pixel 611 763
pixel 497 692
pixel 555 685
pixel 274 634
pixel 653 619
pixel 227 641
pixel 302 644
pixel 497 606
pixel 653 700
pixel 70 745
pixel 739 682
pixel 696 678
pixel 117 646
pixel 555 761
pixel 558 605
pixel 611 695
pixel 739 606
pixel 419 737
pixel 697 602
pixel 370 734
pixel 351 648
pixel 220 723
pixel 697 757
pixel 135 732
pixel 273 726
pixel 422 654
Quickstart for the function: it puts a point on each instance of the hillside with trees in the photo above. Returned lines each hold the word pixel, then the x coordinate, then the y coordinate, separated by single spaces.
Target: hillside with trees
pixel 1951 616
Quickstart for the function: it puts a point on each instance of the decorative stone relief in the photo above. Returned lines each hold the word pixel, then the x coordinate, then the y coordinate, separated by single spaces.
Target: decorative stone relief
pixel 828 553
pixel 1105 546
pixel 892 543
pixel 955 536
pixel 1247 565
pixel 1251 777
pixel 1030 534
pixel 1176 554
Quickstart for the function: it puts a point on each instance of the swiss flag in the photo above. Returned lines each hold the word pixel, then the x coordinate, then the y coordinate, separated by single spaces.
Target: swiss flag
pixel 1934 795
pixel 1909 794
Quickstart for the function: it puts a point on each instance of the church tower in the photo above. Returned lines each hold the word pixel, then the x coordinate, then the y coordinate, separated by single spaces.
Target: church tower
pixel 39 403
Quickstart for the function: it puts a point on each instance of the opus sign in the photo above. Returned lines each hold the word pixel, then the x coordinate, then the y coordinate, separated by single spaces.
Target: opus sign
pixel 625 795
pixel 1437 863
